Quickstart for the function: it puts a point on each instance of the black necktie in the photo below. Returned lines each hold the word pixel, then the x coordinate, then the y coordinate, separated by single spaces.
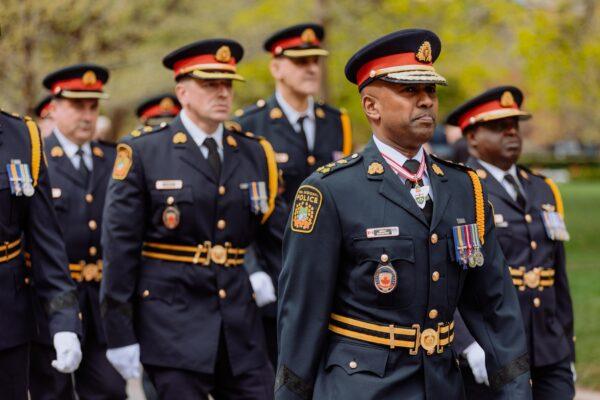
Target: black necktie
pixel 520 198
pixel 301 132
pixel 83 170
pixel 413 166
pixel 213 156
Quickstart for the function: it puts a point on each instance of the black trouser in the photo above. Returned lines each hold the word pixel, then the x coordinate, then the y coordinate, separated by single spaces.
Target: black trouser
pixel 180 384
pixel 550 382
pixel 270 327
pixel 14 365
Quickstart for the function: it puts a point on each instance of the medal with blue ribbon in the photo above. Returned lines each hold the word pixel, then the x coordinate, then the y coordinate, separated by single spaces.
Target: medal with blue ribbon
pixel 467 246
pixel 258 197
pixel 19 178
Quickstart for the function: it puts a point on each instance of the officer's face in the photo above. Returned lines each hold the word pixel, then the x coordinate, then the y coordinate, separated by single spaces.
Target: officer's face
pixel 402 114
pixel 497 142
pixel 75 118
pixel 208 100
pixel 301 75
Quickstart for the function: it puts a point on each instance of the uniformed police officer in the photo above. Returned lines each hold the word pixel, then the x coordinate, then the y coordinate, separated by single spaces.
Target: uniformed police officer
pixel 28 223
pixel 383 246
pixel 529 217
pixel 43 117
pixel 79 168
pixel 185 201
pixel 157 109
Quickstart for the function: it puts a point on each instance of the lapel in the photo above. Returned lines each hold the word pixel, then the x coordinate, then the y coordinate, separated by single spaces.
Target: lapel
pixel 231 159
pixel 441 193
pixel 100 169
pixel 493 186
pixel 64 166
pixel 391 186
pixel 283 126
pixel 189 152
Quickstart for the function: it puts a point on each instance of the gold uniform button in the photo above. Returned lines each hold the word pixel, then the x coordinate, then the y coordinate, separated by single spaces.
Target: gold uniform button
pixel 537 302
pixel 433 314
pixel 80 316
pixel 353 364
pixel 311 160
pixel 26 280
pixel 93 251
pixel 221 190
pixel 170 200
pixel 146 293
pixel 89 198
pixel 384 258
pixel 435 276
pixel 93 225
pixel 533 244
pixel 434 238
pixel 528 218
pixel 221 224
pixel 222 293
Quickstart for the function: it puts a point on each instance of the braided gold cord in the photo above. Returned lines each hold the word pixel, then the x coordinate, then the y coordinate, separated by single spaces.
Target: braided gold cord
pixel 479 210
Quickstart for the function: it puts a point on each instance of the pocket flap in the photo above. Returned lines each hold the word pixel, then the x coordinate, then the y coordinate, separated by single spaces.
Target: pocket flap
pixel 183 195
pixel 355 358
pixel 397 248
pixel 149 289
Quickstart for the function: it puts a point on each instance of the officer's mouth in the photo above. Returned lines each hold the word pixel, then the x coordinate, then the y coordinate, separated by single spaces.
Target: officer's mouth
pixel 425 118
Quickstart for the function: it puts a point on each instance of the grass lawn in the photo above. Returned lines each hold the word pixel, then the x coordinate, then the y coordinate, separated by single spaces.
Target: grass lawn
pixel 582 207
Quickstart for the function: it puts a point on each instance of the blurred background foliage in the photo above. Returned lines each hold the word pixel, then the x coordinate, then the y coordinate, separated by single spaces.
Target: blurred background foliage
pixel 549 48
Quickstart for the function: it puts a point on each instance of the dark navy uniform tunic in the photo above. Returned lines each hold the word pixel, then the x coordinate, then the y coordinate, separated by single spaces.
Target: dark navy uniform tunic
pixel 167 283
pixel 328 299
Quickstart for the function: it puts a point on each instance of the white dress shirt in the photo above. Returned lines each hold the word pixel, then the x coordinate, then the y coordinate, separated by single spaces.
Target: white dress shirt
pixel 309 123
pixel 401 159
pixel 71 148
pixel 499 175
pixel 198 135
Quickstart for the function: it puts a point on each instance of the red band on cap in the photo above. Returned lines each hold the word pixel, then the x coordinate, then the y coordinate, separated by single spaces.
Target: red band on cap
pixel 158 111
pixel 77 84
pixel 465 119
pixel 394 60
pixel 186 65
pixel 289 43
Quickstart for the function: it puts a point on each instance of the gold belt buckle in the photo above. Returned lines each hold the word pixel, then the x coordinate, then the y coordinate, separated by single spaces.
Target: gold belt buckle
pixel 429 340
pixel 532 278
pixel 218 254
pixel 89 272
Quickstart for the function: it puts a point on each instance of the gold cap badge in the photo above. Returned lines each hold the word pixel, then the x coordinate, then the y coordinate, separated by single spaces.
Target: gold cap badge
pixel 375 168
pixel 308 36
pixel 223 54
pixel 166 103
pixel 179 137
pixel 276 113
pixel 57 151
pixel 507 99
pixel 89 78
pixel 424 53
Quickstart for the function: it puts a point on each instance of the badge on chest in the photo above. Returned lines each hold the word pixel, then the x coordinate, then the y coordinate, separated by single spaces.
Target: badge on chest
pixel 19 176
pixel 385 277
pixel 554 224
pixel 467 246
pixel 259 200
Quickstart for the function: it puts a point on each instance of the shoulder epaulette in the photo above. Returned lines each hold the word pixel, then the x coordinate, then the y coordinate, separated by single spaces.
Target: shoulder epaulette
pixel 333 166
pixel 13 114
pixel 560 207
pixel 459 166
pixel 251 109
pixel 232 126
pixel 147 129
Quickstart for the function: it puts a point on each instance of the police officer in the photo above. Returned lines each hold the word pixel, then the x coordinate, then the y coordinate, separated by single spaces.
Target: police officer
pixel 43 117
pixel 28 223
pixel 375 256
pixel 184 202
pixel 158 109
pixel 80 169
pixel 529 218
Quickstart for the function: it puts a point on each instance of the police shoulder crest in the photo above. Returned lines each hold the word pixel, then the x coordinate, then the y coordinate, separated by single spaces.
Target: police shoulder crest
pixel 307 205
pixel 123 161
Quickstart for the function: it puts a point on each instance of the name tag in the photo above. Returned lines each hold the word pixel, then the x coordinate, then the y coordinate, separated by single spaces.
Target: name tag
pixel 56 193
pixel 387 231
pixel 174 184
pixel 499 221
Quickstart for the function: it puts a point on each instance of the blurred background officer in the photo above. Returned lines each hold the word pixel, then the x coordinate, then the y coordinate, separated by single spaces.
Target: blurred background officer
pixel 371 277
pixel 79 168
pixel 157 109
pixel 529 217
pixel 185 201
pixel 28 222
pixel 43 117
pixel 304 134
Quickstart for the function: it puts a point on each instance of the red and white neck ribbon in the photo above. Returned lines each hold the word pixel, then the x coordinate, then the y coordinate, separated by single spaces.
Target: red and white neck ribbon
pixel 405 173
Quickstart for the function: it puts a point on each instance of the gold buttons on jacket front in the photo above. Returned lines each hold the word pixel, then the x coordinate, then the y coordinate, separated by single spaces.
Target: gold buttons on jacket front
pixel 221 224
pixel 92 225
pixel 433 314
pixel 89 198
pixel 222 293
pixel 434 238
pixel 435 276
pixel 528 218
pixel 537 302
pixel 222 190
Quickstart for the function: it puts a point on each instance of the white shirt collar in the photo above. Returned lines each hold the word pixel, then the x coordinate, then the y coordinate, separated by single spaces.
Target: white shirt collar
pixel 293 115
pixel 198 135
pixel 395 154
pixel 71 148
pixel 499 173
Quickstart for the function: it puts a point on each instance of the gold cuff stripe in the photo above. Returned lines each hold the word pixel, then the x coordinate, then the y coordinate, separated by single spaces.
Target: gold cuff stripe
pixel 273 177
pixel 479 210
pixel 36 150
pixel 346 133
pixel 560 208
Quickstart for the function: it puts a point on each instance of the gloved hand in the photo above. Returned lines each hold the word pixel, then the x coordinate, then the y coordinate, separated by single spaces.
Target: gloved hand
pixel 126 360
pixel 263 288
pixel 574 372
pixel 68 352
pixel 476 358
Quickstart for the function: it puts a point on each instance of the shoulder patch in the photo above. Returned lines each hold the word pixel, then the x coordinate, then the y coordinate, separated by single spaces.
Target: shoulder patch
pixel 307 205
pixel 123 161
pixel 232 126
pixel 328 169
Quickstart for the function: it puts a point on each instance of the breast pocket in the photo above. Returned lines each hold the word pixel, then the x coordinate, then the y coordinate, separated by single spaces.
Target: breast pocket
pixel 170 207
pixel 385 271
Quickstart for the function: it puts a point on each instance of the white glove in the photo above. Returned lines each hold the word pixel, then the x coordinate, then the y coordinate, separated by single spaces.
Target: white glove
pixel 574 372
pixel 68 352
pixel 126 360
pixel 263 288
pixel 476 358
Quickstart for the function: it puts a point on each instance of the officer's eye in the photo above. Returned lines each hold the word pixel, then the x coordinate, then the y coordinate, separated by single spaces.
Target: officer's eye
pixel 431 89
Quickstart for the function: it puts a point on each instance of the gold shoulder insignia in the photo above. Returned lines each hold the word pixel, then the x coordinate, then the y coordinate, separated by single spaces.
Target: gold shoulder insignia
pixel 123 161
pixel 239 112
pixel 179 137
pixel 249 134
pixel 339 164
pixel 232 126
pixel 260 103
pixel 307 205
pixel 437 170
pixel 136 133
pixel 97 151
pixel 275 113
pixel 57 151
pixel 319 112
pixel 147 129
pixel 481 173
pixel 524 174
pixel 375 168
pixel 231 141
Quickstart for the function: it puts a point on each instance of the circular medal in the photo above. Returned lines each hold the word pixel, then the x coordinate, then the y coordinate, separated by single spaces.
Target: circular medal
pixel 28 189
pixel 385 278
pixel 478 257
pixel 472 262
pixel 170 217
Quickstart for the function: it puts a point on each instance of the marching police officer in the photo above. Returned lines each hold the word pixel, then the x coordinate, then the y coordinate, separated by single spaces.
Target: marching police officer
pixel 184 202
pixel 28 223
pixel 383 246
pixel 79 168
pixel 158 109
pixel 529 218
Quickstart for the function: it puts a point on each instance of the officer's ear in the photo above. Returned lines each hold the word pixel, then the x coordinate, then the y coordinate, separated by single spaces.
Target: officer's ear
pixel 370 104
pixel 181 90
pixel 275 67
pixel 470 133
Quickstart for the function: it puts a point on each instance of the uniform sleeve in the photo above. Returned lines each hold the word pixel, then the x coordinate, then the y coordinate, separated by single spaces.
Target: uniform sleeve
pixel 50 266
pixel 564 306
pixel 122 235
pixel 462 336
pixel 490 309
pixel 306 290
